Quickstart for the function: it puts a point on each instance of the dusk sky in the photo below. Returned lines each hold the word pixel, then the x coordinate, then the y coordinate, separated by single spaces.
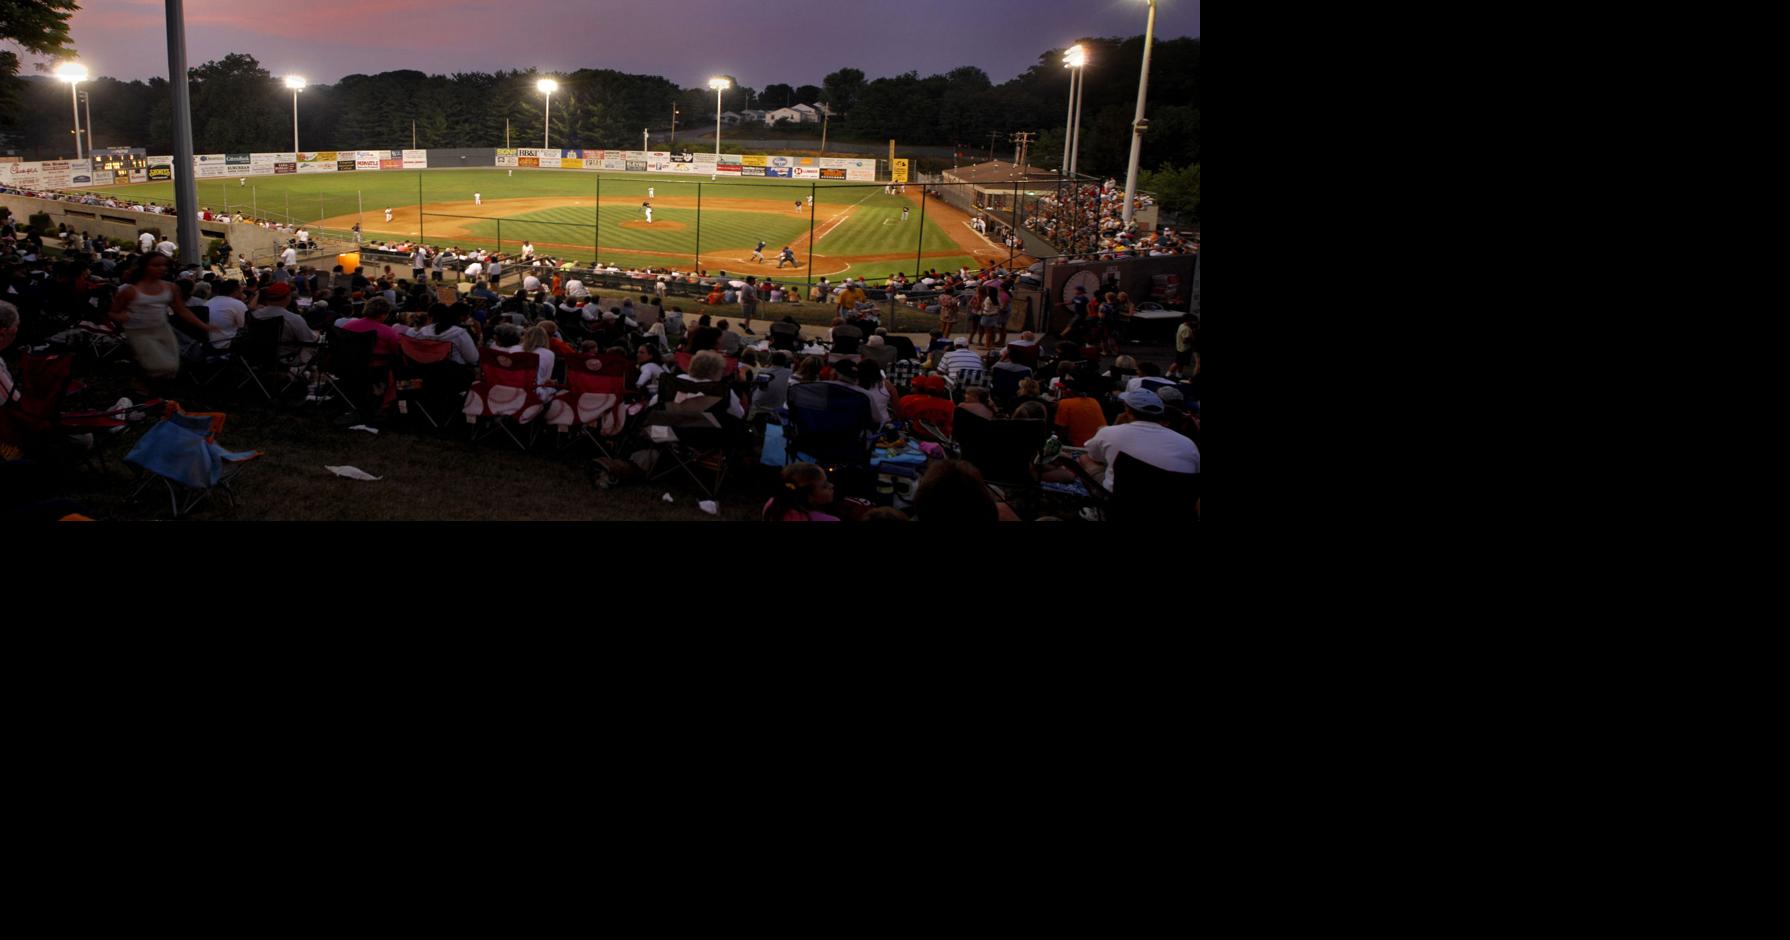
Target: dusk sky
pixel 792 41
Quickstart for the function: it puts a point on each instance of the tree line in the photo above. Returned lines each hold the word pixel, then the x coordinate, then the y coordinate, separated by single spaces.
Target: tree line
pixel 238 106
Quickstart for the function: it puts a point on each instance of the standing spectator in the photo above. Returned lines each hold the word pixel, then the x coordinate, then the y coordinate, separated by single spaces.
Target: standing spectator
pixel 142 307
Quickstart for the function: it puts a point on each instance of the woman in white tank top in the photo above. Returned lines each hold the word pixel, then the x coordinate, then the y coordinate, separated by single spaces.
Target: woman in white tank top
pixel 142 306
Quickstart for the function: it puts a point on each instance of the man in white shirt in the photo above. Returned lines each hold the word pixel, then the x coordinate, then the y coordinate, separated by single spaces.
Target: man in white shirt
pixel 167 247
pixel 1143 437
pixel 227 312
pixel 961 359
pixel 289 257
pixel 472 272
pixel 419 260
pixel 304 236
pixel 528 251
pixel 494 269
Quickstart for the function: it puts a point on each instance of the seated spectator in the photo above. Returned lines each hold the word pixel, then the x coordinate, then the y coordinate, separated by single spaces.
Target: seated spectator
pixel 929 401
pixel 537 340
pixel 648 372
pixel 805 490
pixel 953 491
pixel 961 359
pixel 730 341
pixel 975 401
pixel 1142 434
pixel 809 370
pixel 388 347
pixel 771 388
pixel 711 366
pixel 445 324
pixel 271 304
pixel 1079 416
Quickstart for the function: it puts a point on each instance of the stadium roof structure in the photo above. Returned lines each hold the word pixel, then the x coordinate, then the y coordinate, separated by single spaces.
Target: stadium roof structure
pixel 1000 173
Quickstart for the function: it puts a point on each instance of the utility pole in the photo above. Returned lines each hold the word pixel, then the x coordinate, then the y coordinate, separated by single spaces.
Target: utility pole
pixel 1022 147
pixel 506 133
pixel 992 137
pixel 674 114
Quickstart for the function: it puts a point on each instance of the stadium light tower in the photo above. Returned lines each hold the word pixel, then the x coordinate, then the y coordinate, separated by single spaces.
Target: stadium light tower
pixel 74 73
pixel 1138 123
pixel 719 85
pixel 1073 59
pixel 547 86
pixel 297 84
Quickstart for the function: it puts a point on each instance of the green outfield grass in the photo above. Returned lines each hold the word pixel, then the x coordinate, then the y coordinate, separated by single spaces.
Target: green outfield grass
pixel 734 215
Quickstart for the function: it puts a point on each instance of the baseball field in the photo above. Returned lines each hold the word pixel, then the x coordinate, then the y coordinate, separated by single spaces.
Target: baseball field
pixel 851 229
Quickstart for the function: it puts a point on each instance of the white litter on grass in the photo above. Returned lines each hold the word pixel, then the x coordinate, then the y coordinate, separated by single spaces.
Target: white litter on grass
pixel 709 506
pixel 362 427
pixel 352 473
pixel 667 498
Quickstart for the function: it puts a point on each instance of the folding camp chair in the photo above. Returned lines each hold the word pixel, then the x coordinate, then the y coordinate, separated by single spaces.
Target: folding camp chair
pixel 182 453
pixel 831 424
pixel 903 373
pixel 1003 450
pixel 786 336
pixel 100 339
pixel 697 434
pixel 968 378
pixel 426 378
pixel 1144 493
pixel 904 348
pixel 345 365
pixel 884 355
pixel 1004 384
pixel 505 394
pixel 593 398
pixel 1023 355
pixel 256 351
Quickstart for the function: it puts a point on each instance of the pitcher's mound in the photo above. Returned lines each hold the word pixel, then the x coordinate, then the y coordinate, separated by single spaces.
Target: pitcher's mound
pixel 660 226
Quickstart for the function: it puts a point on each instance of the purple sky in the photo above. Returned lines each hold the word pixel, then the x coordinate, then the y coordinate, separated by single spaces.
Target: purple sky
pixel 799 43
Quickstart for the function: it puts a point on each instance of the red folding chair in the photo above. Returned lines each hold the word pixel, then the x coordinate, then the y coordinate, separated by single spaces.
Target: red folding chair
pixel 421 374
pixel 595 389
pixel 505 394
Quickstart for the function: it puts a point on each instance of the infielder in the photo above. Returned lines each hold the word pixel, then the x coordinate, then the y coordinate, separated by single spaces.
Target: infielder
pixel 758 253
pixel 478 199
pixel 649 193
pixel 388 215
pixel 647 207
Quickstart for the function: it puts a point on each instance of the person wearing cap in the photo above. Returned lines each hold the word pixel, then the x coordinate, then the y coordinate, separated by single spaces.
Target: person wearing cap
pixel 961 359
pixel 1142 433
pixel 271 304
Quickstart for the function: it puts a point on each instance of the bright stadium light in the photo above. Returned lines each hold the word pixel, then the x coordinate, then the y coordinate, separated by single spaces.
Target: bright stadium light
pixel 547 86
pixel 719 85
pixel 1138 123
pixel 74 73
pixel 297 84
pixel 1074 59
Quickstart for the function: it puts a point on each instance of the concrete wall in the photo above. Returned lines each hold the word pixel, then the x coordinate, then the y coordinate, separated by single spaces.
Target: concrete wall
pixel 257 243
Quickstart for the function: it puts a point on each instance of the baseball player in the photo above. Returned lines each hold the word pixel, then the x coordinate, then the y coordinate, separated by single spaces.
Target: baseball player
pixel 758 253
pixel 810 200
pixel 647 207
pixel 904 213
pixel 798 205
pixel 478 199
pixel 787 257
pixel 243 182
pixel 649 193
pixel 388 215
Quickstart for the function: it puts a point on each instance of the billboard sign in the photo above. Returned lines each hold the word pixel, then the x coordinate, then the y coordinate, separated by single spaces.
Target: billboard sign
pixel 414 160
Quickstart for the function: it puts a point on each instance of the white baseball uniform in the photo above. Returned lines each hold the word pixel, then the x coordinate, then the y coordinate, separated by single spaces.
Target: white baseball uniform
pixel 478 199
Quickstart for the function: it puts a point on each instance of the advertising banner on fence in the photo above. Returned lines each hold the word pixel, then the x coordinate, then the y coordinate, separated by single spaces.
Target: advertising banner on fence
pixel 531 162
pixel 314 167
pixel 56 174
pixel 81 173
pixel 683 168
pixel 828 173
pixel 728 169
pixel 806 173
pixel 215 170
pixel 397 164
pixel 239 159
pixel 541 156
pixel 899 171
pixel 751 171
pixel 750 160
pixel 781 172
pixel 28 175
pixel 347 166
pixel 869 174
pixel 634 166
pixel 592 163
pixel 319 156
pixel 161 169
pixel 414 159
pixel 138 176
pixel 365 159
pixel 506 156
pixel 571 163
pixel 266 160
pixel 683 158
pixel 283 168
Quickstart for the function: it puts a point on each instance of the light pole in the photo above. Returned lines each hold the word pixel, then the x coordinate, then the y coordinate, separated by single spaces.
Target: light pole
pixel 719 85
pixel 297 84
pixel 87 103
pixel 674 113
pixel 1138 123
pixel 547 86
pixel 1075 60
pixel 74 73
